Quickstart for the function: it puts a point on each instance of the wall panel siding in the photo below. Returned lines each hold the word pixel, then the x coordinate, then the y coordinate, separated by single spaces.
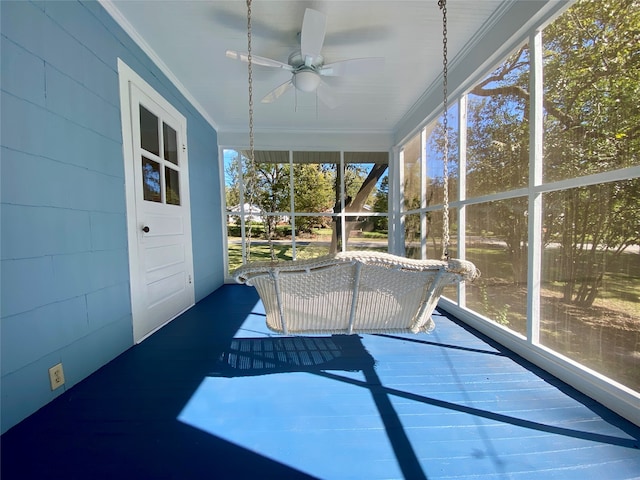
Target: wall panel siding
pixel 27 284
pixel 64 261
pixel 37 332
pixel 66 231
pixel 28 121
pixel 108 231
pixel 104 306
pixel 26 82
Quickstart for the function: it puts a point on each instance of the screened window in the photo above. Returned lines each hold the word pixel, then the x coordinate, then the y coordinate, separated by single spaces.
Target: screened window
pixel 579 272
pixel 299 204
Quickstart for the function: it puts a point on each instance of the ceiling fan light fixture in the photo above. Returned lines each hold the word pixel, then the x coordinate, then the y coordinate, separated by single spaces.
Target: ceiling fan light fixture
pixel 306 80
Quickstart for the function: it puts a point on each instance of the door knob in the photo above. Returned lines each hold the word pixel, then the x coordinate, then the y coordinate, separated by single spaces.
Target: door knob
pixel 145 229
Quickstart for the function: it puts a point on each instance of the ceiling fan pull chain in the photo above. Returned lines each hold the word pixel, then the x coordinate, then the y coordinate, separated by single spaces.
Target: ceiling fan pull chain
pixel 445 124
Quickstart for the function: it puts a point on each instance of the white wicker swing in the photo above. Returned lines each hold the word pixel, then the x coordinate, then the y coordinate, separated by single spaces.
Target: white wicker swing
pixel 355 291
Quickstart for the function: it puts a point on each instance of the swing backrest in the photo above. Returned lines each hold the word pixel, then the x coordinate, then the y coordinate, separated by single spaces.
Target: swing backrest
pixel 352 292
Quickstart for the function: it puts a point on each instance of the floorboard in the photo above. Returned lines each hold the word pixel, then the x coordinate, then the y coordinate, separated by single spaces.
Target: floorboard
pixel 214 394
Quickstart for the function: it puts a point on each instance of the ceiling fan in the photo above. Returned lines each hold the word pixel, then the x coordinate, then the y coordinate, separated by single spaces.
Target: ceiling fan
pixel 307 64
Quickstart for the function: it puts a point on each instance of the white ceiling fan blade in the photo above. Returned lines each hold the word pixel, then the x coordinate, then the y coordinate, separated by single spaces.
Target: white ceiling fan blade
pixel 257 60
pixel 324 94
pixel 355 66
pixel 277 92
pixel 314 27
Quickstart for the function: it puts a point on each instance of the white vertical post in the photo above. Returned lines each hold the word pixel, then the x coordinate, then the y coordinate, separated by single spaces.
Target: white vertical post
pixel 292 216
pixel 462 190
pixel 243 225
pixel 423 193
pixel 535 196
pixel 396 202
pixel 343 223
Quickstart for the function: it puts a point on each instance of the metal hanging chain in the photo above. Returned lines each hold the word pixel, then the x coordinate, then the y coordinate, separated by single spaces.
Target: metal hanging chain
pixel 445 124
pixel 250 164
pixel 250 69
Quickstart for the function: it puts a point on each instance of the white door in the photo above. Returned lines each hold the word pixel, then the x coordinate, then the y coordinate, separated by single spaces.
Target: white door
pixel 159 218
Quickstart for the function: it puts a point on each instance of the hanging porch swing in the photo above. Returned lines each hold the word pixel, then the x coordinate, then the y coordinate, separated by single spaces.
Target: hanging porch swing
pixel 355 291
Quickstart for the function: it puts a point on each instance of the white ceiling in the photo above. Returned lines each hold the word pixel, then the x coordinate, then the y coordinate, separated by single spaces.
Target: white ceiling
pixel 191 37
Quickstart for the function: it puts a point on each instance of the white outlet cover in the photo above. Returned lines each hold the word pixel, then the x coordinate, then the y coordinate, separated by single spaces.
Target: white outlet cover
pixel 56 376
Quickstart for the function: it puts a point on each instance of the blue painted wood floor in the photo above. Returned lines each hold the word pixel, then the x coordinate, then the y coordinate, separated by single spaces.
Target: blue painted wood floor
pixel 215 395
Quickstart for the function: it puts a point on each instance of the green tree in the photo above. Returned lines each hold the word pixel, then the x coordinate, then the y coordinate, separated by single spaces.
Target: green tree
pixel 272 195
pixel 232 190
pixel 381 205
pixel 313 193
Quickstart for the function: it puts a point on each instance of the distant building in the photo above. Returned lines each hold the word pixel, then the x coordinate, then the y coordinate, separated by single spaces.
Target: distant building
pixel 252 213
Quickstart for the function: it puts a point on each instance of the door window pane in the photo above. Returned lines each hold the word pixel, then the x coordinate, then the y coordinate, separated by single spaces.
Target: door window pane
pixel 170 139
pixel 149 139
pixel 151 180
pixel 172 180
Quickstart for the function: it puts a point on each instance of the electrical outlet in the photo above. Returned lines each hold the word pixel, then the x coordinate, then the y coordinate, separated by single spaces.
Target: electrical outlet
pixel 56 376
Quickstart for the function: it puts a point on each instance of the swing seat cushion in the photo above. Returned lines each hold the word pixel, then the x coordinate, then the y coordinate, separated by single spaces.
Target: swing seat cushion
pixel 352 292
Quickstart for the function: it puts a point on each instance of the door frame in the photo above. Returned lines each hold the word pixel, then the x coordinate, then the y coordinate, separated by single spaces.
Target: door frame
pixel 126 78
